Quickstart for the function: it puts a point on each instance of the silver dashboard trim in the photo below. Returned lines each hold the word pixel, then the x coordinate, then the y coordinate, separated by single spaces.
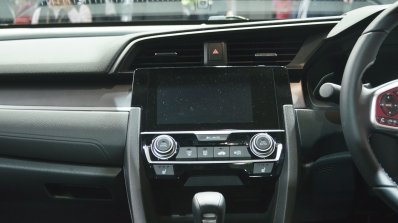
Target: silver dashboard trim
pixel 277 158
pixel 56 108
pixel 215 132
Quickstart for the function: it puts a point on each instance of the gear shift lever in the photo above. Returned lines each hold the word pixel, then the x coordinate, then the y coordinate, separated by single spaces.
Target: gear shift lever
pixel 208 207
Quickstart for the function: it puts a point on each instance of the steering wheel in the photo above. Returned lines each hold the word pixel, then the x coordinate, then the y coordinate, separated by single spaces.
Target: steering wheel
pixel 365 110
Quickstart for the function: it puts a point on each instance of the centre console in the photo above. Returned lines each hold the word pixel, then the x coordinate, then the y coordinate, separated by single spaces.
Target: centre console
pixel 217 128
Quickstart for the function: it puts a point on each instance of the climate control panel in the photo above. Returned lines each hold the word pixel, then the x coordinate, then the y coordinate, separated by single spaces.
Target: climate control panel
pixel 252 153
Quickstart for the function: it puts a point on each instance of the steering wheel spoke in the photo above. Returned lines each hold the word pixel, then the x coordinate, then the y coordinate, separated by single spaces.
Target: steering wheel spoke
pixel 384 108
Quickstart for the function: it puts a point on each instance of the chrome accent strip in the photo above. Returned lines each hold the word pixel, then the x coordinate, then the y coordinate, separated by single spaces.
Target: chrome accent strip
pixel 265 54
pixel 55 108
pixel 166 54
pixel 277 157
pixel 215 132
pixel 376 92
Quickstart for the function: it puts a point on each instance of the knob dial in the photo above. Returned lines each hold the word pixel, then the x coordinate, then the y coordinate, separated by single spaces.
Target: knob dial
pixel 163 147
pixel 262 145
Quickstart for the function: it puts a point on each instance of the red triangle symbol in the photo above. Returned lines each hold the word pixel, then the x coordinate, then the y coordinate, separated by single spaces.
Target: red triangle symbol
pixel 215 52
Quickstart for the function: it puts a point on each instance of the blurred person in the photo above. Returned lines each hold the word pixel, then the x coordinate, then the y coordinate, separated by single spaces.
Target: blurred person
pixel 21 6
pixel 310 8
pixel 62 11
pixel 24 10
pixel 126 14
pixel 104 11
pixel 302 11
pixel 110 9
pixel 188 6
pixel 231 8
pixel 282 9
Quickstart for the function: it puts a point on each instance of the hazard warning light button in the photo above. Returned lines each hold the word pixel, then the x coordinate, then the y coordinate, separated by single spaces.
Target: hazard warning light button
pixel 216 53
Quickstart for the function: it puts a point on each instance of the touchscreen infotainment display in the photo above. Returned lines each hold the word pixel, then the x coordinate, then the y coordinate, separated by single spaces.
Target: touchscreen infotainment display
pixel 204 99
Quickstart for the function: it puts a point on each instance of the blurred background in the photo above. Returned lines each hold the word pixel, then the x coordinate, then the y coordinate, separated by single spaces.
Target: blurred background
pixel 21 12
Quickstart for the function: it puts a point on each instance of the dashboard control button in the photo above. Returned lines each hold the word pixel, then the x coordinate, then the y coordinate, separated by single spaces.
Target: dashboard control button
pixel 187 153
pixel 239 152
pixel 221 153
pixel 262 145
pixel 389 105
pixel 262 168
pixel 215 51
pixel 263 142
pixel 212 137
pixel 164 170
pixel 164 144
pixel 163 147
pixel 205 153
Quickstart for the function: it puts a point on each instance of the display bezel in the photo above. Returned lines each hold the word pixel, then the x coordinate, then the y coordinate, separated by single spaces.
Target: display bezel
pixel 261 80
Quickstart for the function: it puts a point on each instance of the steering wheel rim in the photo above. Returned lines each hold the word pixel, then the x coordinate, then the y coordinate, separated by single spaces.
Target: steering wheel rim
pixel 355 101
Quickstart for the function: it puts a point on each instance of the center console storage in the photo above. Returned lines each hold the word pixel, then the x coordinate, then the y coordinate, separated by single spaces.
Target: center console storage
pixel 211 129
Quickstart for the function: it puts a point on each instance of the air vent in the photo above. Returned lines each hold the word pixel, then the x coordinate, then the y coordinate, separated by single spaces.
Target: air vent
pixel 262 52
pixel 168 55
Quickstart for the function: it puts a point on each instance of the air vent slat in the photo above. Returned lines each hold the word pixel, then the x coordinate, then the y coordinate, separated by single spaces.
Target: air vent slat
pixel 266 43
pixel 262 52
pixel 168 57
pixel 255 62
pixel 168 54
pixel 263 48
pixel 177 64
pixel 253 54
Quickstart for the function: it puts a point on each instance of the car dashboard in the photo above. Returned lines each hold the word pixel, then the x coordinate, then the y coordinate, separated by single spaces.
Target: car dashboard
pixel 127 123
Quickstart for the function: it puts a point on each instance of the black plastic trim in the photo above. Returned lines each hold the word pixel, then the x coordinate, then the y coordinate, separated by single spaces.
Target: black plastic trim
pixel 84 137
pixel 288 180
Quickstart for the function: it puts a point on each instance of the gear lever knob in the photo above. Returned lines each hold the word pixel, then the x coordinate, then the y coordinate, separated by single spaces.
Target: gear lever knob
pixel 208 207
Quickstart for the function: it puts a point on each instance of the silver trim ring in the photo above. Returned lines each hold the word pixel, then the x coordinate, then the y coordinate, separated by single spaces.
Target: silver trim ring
pixel 217 132
pixel 164 155
pixel 262 153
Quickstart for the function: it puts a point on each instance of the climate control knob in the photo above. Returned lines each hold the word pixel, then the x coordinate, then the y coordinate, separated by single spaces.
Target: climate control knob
pixel 262 145
pixel 163 147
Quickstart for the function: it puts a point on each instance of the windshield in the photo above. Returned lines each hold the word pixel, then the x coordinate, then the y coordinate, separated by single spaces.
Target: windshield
pixel 26 12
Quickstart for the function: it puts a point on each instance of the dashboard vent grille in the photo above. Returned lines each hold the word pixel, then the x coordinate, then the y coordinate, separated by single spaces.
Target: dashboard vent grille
pixel 262 52
pixel 169 55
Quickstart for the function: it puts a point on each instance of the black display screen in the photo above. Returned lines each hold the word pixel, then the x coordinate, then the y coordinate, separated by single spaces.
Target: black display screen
pixel 207 99
pixel 183 99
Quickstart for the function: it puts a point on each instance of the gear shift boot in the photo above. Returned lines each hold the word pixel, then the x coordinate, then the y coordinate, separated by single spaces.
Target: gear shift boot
pixel 208 207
